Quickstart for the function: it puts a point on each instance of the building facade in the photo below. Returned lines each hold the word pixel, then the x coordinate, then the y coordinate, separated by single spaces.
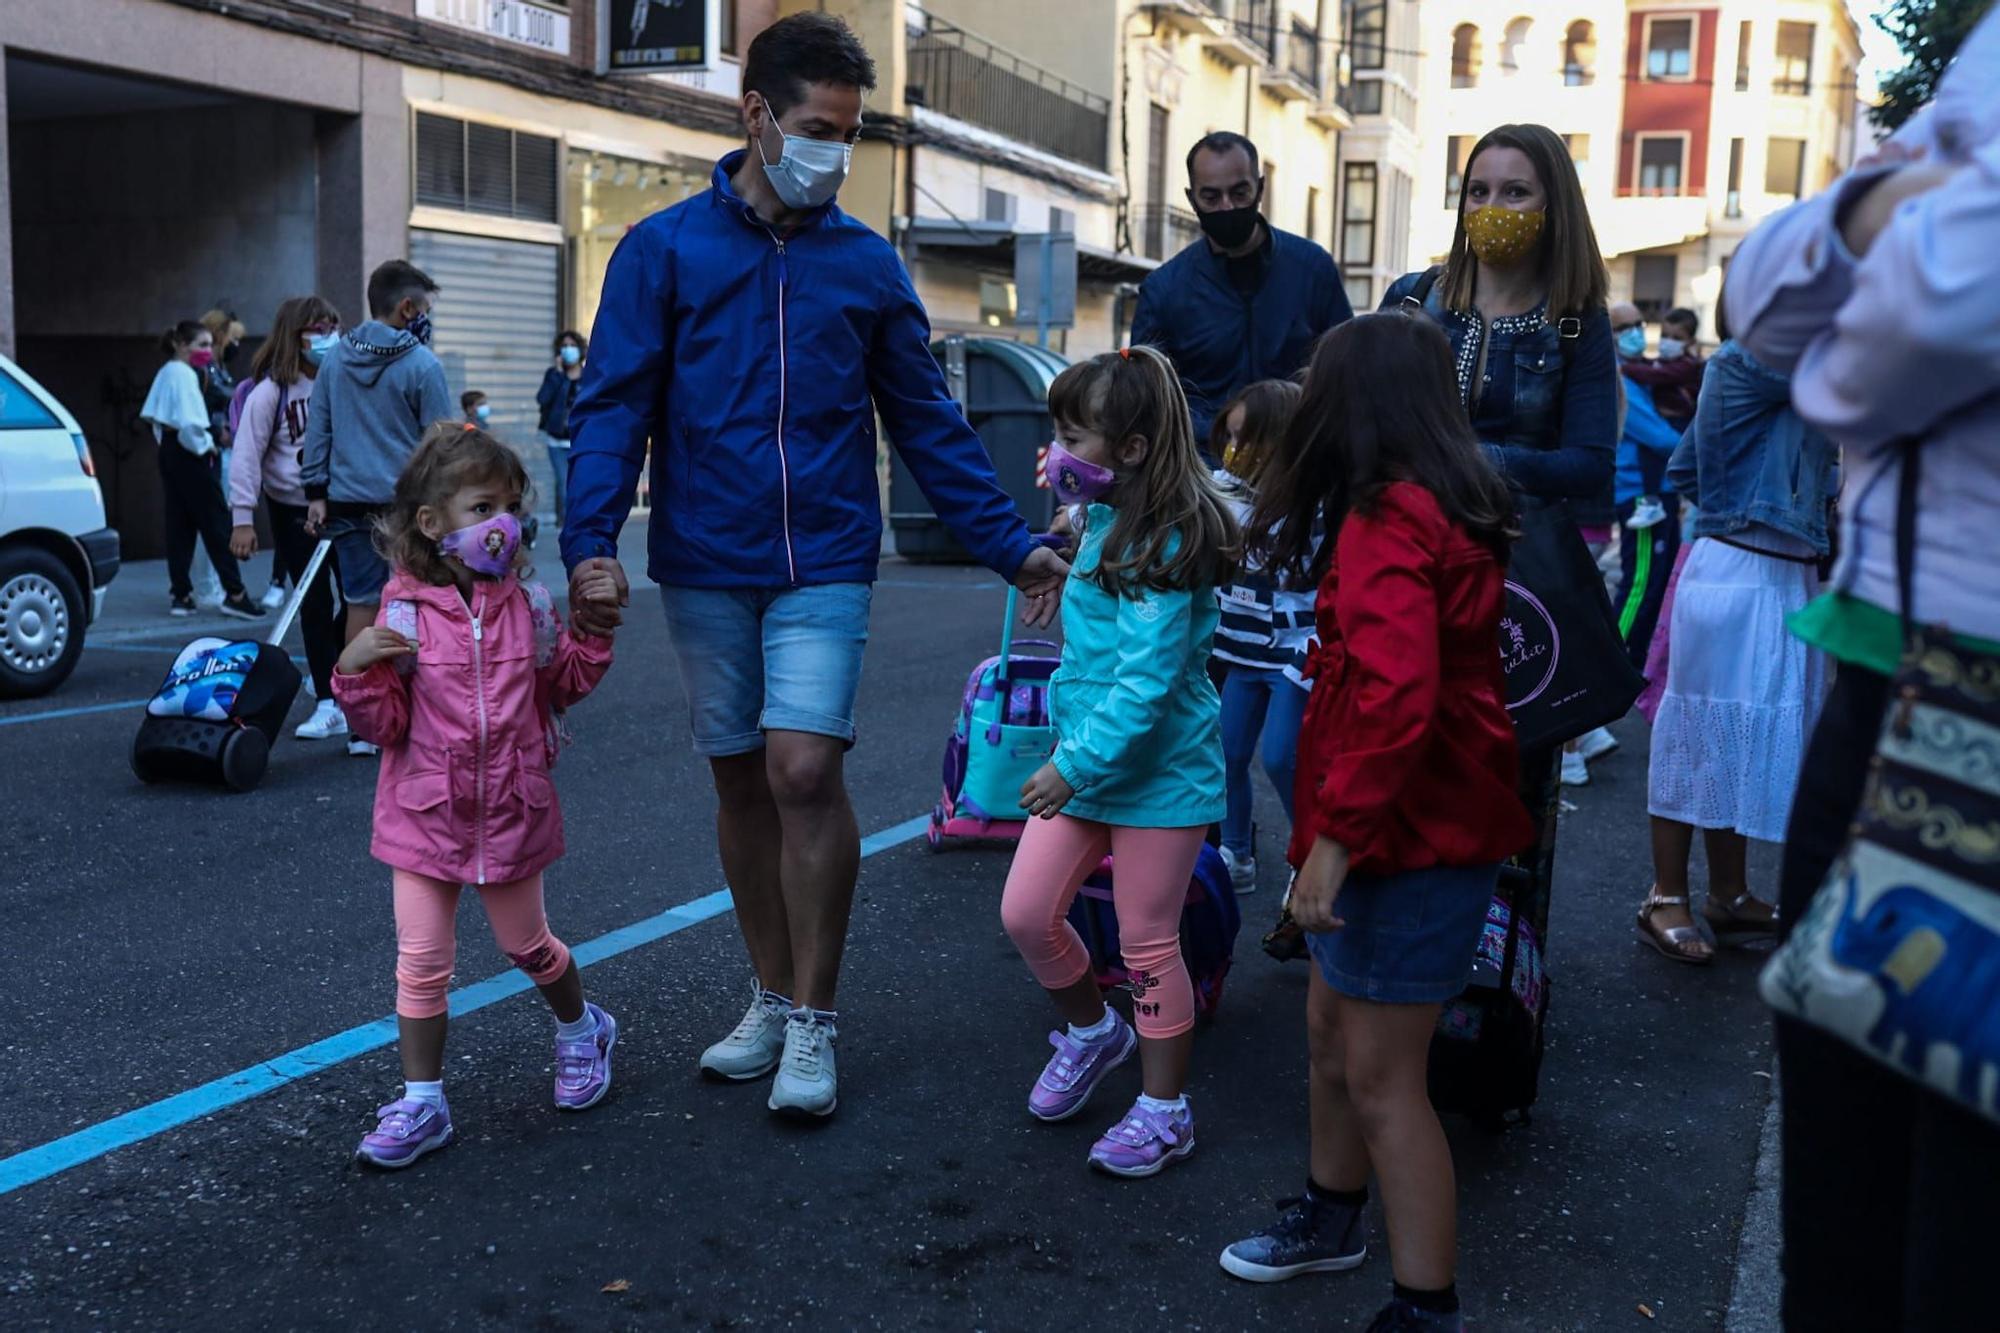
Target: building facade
pixel 1688 122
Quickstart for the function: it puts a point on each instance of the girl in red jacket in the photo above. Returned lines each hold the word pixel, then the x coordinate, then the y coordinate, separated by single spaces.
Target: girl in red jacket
pixel 1406 803
pixel 460 681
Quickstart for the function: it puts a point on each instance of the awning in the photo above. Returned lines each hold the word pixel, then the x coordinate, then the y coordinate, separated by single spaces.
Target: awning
pixel 990 246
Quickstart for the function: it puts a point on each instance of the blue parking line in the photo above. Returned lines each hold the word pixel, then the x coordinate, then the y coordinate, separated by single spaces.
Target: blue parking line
pixel 50 715
pixel 121 1131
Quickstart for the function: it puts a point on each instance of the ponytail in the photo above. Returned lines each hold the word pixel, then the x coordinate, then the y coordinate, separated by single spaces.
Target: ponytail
pixel 181 334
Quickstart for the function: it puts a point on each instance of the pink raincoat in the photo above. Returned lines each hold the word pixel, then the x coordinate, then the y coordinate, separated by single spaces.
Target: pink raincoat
pixel 465 793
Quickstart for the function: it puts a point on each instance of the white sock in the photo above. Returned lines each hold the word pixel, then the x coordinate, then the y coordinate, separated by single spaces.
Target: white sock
pixel 1155 1104
pixel 432 1093
pixel 1101 1028
pixel 581 1030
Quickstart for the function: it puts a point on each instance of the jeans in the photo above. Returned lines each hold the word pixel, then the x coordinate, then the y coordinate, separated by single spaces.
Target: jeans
pixel 1645 561
pixel 1257 704
pixel 559 471
pixel 192 493
pixel 319 619
pixel 1891 1194
pixel 768 659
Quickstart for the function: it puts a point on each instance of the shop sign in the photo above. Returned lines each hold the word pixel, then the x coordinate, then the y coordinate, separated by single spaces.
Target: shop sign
pixel 515 21
pixel 657 36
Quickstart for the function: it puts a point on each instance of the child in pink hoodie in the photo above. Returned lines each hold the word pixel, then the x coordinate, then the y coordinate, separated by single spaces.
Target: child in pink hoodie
pixel 461 681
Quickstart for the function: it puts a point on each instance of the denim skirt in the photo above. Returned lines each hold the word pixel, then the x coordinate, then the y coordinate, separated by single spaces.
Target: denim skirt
pixel 1410 937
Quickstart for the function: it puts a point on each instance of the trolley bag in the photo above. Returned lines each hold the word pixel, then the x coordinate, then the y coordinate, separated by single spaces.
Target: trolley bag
pixel 1002 736
pixel 1486 1054
pixel 1209 923
pixel 219 711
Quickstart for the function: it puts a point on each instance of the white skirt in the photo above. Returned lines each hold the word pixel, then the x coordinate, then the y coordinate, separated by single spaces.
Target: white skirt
pixel 1742 693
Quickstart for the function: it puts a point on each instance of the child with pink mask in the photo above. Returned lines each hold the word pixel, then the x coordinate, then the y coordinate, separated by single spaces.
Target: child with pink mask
pixel 462 681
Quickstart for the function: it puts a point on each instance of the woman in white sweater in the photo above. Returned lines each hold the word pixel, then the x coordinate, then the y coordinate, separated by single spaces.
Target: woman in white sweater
pixel 190 472
pixel 265 462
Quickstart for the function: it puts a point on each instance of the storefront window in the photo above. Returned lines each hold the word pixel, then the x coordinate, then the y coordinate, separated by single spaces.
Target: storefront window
pixel 607 197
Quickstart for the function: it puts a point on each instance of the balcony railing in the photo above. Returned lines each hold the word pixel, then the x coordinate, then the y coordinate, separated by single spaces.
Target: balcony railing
pixel 1166 230
pixel 1302 54
pixel 965 76
pixel 1257 20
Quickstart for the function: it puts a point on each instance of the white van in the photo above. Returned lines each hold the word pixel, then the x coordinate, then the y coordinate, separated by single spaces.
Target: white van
pixel 56 555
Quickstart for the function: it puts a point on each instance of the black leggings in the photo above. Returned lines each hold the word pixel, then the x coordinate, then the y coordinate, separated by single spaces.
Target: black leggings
pixel 192 493
pixel 1891 1194
pixel 319 618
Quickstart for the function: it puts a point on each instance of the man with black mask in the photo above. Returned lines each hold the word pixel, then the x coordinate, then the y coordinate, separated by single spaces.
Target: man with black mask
pixel 1247 301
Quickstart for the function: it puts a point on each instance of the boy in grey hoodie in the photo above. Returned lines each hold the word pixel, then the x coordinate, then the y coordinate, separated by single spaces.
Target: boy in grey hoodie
pixel 377 393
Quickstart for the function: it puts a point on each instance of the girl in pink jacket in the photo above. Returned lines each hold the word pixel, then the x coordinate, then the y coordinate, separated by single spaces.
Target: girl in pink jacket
pixel 461 681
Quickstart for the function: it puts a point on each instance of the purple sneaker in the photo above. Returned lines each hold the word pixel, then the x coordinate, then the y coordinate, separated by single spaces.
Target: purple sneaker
pixel 405 1131
pixel 1076 1069
pixel 1145 1142
pixel 583 1068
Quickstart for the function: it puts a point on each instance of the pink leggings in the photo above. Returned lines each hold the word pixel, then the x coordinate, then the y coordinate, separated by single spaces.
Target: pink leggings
pixel 1154 866
pixel 427 945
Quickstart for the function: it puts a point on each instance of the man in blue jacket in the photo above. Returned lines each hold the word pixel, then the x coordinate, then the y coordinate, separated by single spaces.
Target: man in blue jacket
pixel 750 335
pixel 1244 303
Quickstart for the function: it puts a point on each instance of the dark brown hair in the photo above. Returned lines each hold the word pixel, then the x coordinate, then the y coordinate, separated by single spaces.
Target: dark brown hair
pixel 1571 266
pixel 452 456
pixel 1267 412
pixel 1135 392
pixel 1380 406
pixel 280 357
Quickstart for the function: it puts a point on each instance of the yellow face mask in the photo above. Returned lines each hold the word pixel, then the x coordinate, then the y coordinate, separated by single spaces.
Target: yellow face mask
pixel 1502 235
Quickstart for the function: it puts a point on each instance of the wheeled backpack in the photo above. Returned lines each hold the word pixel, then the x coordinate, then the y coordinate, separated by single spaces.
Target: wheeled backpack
pixel 1486 1054
pixel 217 714
pixel 1002 736
pixel 1209 923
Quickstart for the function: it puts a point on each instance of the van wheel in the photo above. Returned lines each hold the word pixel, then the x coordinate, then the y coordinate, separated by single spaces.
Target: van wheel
pixel 42 615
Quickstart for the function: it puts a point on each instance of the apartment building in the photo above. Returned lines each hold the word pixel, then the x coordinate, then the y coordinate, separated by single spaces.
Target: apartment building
pixel 1688 122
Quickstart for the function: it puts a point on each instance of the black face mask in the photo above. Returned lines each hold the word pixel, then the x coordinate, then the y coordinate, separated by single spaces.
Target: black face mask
pixel 1231 228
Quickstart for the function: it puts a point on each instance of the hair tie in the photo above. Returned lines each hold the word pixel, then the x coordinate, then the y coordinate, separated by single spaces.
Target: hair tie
pixel 1125 353
pixel 470 426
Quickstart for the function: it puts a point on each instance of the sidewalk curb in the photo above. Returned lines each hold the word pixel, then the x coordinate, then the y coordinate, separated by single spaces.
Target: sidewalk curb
pixel 1754 1295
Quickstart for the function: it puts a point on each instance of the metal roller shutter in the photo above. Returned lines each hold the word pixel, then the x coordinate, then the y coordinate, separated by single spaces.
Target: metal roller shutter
pixel 496 323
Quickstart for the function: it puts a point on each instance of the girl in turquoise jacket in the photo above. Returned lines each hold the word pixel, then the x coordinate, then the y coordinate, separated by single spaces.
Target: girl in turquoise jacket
pixel 1138 769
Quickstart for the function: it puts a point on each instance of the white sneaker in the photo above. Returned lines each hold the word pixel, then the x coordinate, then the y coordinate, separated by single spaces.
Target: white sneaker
pixel 1242 872
pixel 753 1049
pixel 1647 513
pixel 1595 744
pixel 1576 773
pixel 806 1084
pixel 274 597
pixel 327 720
pixel 361 749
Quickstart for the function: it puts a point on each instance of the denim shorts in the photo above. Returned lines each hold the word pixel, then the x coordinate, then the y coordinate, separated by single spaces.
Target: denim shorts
pixel 363 571
pixel 768 659
pixel 1410 938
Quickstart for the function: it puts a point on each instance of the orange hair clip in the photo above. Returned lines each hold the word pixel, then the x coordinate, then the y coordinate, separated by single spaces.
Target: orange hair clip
pixel 1125 353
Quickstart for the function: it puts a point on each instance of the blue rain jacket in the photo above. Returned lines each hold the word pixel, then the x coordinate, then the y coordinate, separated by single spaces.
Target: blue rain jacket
pixel 754 364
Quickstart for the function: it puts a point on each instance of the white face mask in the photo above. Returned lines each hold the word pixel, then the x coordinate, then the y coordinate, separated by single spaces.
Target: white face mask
pixel 1671 348
pixel 808 172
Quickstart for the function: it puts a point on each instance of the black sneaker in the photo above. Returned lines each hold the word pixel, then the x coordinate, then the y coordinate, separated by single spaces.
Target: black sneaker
pixel 242 606
pixel 181 606
pixel 1308 1237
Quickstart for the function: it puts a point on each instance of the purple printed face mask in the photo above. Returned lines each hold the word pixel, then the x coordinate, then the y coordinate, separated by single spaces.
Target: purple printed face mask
pixel 1074 480
pixel 487 547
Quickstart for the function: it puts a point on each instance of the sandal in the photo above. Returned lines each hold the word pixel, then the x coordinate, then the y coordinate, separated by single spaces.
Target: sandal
pixel 1733 924
pixel 1682 944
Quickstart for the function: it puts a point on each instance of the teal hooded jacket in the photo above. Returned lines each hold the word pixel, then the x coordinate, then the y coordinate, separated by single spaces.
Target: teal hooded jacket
pixel 1138 719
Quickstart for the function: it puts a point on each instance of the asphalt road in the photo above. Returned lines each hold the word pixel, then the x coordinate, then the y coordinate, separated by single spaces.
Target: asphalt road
pixel 160 938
